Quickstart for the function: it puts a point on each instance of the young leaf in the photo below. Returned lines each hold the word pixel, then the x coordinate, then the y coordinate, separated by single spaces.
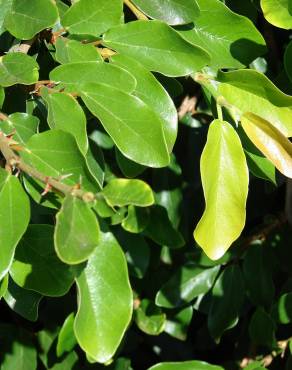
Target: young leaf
pixel 87 17
pixel 270 141
pixel 28 17
pixel 173 12
pixel 76 232
pixel 18 68
pixel 185 365
pixel 139 40
pixel 277 12
pixel 66 337
pixel 14 218
pixel 122 192
pixel 99 324
pixel 224 175
pixel 24 125
pixel 135 128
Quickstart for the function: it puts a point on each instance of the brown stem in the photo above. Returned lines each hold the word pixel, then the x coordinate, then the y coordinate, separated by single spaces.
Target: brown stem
pixel 14 161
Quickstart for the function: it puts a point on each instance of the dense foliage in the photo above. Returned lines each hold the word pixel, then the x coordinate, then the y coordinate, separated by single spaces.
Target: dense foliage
pixel 145 198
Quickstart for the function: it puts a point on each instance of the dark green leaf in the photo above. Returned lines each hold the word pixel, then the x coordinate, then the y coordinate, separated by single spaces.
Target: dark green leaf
pixel 262 329
pixel 177 325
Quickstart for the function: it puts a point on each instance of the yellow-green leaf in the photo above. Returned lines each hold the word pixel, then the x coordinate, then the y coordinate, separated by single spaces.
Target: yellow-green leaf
pixel 224 175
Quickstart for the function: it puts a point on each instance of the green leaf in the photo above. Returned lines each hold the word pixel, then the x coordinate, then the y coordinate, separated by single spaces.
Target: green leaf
pixel 2 95
pixel 150 318
pixel 22 301
pixel 151 92
pixel 95 162
pixel 66 337
pixel 5 6
pixel 24 125
pixel 177 325
pixel 270 141
pixel 65 113
pixel 122 192
pixel 277 12
pixel 173 12
pixel 185 365
pixel 14 218
pixel 282 310
pixel 4 285
pixel 231 39
pixel 99 324
pixel 71 51
pixel 262 329
pixel 72 76
pixel 18 68
pixel 161 230
pixel 36 266
pixel 227 299
pixel 68 362
pixel 139 40
pixel 136 220
pixel 76 232
pixel 92 18
pixel 144 142
pixel 251 91
pixel 129 168
pixel 185 285
pixel 28 17
pixel 224 175
pixel 261 290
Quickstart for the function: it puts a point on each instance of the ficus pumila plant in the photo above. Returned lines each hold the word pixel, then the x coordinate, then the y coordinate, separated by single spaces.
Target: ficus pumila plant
pixel 119 204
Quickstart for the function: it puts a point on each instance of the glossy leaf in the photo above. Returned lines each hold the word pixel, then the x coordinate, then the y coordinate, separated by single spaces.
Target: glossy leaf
pixel 71 51
pixel 270 141
pixel 136 220
pixel 61 106
pixel 23 126
pixel 122 192
pixel 177 324
pixel 227 299
pixel 224 175
pixel 150 318
pixel 18 68
pixel 185 365
pixel 14 218
pixel 72 76
pixel 76 232
pixel 36 266
pixel 28 17
pixel 22 301
pixel 151 92
pixel 98 329
pixel 277 12
pixel 139 40
pixel 185 285
pixel 231 39
pixel 172 12
pixel 66 338
pixel 87 17
pixel 251 91
pixel 137 131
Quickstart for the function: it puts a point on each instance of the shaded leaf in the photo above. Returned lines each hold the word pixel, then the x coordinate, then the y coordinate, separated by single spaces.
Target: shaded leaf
pixel 282 310
pixel 262 329
pixel 136 220
pixel 150 318
pixel 66 337
pixel 177 325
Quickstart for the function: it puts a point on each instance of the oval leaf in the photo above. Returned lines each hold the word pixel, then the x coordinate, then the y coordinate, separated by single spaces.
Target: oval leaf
pixel 278 12
pixel 224 175
pixel 186 365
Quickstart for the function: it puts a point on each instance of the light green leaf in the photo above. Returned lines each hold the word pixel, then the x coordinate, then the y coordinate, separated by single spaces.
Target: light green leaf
pixel 18 68
pixel 136 220
pixel 4 285
pixel 270 141
pixel 28 17
pixel 177 324
pixel 5 6
pixel 150 318
pixel 99 324
pixel 22 301
pixel 92 17
pixel 168 54
pixel 224 175
pixel 185 365
pixel 70 51
pixel 68 362
pixel 65 113
pixel 2 95
pixel 151 92
pixel 135 128
pixel 251 91
pixel 24 125
pixel 231 39
pixel 278 13
pixel 185 285
pixel 76 232
pixel 14 218
pixel 36 266
pixel 173 12
pixel 72 75
pixel 122 192
pixel 282 309
pixel 66 337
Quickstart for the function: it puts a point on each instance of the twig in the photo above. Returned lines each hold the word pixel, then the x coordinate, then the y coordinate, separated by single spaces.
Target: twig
pixel 14 161
pixel 135 10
